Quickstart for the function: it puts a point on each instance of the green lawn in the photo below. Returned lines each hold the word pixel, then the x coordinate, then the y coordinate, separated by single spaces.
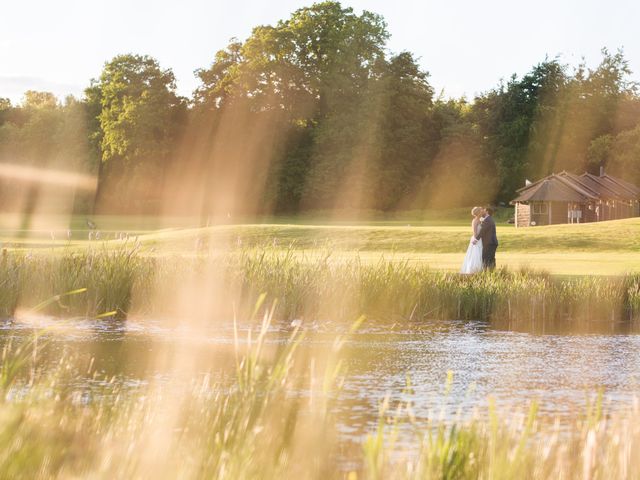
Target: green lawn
pixel 606 248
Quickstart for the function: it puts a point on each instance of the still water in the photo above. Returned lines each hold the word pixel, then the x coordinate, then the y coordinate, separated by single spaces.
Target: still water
pixel 561 371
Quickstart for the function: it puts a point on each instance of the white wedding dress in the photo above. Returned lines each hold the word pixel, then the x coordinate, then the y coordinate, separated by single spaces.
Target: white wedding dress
pixel 473 259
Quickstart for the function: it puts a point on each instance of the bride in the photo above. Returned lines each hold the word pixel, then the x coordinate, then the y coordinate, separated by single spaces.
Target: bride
pixel 473 259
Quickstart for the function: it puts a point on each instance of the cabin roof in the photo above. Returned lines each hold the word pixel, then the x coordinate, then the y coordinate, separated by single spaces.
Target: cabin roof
pixel 569 187
pixel 576 182
pixel 606 189
pixel 626 186
pixel 552 188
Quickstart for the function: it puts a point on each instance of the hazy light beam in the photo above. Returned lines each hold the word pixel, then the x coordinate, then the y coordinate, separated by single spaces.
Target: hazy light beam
pixel 48 176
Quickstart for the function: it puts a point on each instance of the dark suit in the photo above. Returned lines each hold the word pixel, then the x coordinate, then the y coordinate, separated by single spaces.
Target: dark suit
pixel 487 234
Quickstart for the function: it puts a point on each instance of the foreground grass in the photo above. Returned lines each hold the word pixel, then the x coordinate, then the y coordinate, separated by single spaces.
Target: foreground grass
pixel 499 446
pixel 55 426
pixel 257 425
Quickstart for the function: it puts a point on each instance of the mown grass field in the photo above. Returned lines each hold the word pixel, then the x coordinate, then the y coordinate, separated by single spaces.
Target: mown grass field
pixel 607 248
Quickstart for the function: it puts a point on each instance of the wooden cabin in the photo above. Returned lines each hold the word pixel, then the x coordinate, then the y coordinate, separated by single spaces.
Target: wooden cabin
pixel 569 198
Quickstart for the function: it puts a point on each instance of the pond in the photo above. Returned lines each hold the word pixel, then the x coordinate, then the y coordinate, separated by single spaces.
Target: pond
pixel 563 372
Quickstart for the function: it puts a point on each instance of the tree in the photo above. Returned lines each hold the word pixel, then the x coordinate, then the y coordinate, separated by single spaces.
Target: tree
pixel 618 154
pixel 35 99
pixel 308 75
pixel 5 103
pixel 138 111
pixel 311 59
pixel 599 152
pixel 514 121
pixel 219 81
pixel 46 136
pixel 407 142
pixel 332 61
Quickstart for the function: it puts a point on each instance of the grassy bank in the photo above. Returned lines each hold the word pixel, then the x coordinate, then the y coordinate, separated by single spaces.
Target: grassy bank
pixel 616 236
pixel 606 248
pixel 316 288
pixel 405 237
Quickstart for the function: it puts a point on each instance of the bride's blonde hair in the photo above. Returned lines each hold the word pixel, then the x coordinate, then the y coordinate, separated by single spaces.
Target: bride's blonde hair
pixel 475 211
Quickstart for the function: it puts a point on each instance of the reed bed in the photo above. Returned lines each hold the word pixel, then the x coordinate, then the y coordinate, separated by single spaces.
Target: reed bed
pixel 66 422
pixel 55 423
pixel 506 446
pixel 108 275
pixel 402 291
pixel 119 281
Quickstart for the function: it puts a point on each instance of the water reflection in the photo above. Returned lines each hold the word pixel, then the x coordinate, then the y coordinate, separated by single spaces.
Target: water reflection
pixel 513 367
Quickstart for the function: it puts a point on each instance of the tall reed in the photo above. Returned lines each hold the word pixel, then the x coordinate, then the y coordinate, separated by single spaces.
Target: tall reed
pixel 257 425
pixel 499 445
pixel 389 290
pixel 66 422
pixel 317 288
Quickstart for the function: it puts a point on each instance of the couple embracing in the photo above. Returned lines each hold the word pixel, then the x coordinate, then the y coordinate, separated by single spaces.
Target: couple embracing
pixel 481 253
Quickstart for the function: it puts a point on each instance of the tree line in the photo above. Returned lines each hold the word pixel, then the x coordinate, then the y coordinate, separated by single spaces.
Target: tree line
pixel 315 113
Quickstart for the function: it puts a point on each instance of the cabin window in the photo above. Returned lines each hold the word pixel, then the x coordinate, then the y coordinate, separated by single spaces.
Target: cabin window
pixel 539 208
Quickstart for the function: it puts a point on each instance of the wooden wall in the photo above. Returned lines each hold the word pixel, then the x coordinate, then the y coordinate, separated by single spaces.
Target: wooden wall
pixel 540 213
pixel 589 215
pixel 523 215
pixel 559 212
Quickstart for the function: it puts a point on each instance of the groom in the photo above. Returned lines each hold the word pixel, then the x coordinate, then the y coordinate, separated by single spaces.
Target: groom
pixel 489 238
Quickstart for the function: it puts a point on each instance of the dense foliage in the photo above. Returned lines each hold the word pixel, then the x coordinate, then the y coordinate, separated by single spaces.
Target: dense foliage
pixel 315 113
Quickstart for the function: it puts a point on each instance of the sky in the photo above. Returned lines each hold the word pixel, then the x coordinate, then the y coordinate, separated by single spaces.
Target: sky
pixel 467 46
